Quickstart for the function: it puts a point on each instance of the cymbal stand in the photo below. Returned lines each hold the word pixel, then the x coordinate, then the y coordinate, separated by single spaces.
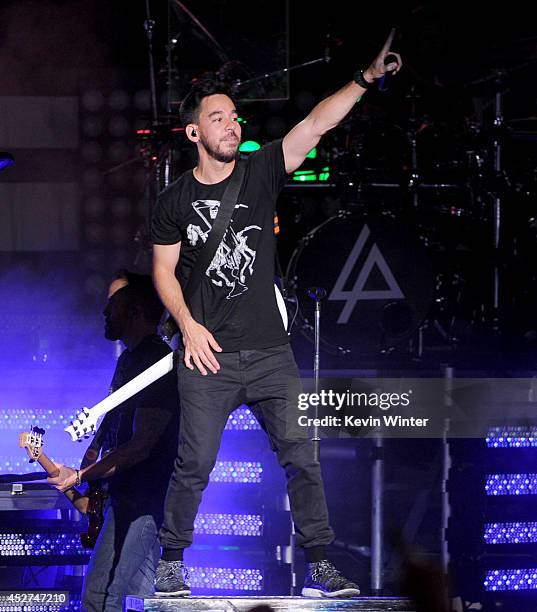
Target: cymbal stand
pixel 151 164
pixel 497 200
pixel 239 84
pixel 413 179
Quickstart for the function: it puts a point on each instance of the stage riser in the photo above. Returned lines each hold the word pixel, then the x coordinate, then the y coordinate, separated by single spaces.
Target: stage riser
pixel 278 604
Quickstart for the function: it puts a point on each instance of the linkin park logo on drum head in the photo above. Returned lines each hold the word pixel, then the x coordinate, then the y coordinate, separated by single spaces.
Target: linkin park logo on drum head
pixel 378 280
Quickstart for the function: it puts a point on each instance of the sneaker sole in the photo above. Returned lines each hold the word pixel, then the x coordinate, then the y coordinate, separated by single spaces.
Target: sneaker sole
pixel 182 593
pixel 306 592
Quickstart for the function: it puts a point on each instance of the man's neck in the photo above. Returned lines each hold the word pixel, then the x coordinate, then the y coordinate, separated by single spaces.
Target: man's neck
pixel 210 171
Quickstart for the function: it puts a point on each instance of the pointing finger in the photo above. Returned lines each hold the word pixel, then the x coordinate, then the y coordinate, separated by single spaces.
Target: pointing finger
pixel 389 41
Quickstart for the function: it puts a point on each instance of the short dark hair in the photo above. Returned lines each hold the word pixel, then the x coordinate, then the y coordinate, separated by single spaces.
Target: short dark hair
pixel 140 291
pixel 191 104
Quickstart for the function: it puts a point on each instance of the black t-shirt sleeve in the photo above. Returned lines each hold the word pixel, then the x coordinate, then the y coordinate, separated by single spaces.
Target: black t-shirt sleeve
pixel 270 156
pixel 165 225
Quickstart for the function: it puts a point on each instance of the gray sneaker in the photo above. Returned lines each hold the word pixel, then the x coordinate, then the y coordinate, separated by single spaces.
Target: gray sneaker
pixel 324 580
pixel 170 579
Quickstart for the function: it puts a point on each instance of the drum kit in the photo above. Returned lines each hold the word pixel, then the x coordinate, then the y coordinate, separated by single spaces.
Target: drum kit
pixel 434 239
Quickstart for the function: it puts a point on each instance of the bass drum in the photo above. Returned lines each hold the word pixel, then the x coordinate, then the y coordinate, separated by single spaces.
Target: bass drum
pixel 378 282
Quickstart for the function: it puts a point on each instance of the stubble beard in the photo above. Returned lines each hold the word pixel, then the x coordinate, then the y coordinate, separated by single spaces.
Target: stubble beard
pixel 219 155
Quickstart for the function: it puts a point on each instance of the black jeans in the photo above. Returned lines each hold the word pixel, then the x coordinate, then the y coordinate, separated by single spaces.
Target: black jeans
pixel 246 377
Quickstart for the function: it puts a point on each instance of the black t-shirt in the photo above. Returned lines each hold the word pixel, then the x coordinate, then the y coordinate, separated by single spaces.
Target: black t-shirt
pixel 141 488
pixel 236 300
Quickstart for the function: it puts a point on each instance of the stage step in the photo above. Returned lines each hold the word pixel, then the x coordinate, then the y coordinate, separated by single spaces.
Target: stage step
pixel 244 604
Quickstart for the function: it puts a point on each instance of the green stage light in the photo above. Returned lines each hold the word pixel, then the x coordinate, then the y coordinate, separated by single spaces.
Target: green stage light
pixel 312 154
pixel 305 177
pixel 249 146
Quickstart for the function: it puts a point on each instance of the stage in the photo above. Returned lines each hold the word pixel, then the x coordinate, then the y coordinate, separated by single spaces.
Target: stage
pixel 243 604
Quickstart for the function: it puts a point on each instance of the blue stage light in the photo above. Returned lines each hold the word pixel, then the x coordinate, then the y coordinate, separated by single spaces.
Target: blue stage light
pixel 511 484
pixel 242 419
pixel 74 605
pixel 224 578
pixel 229 524
pixel 237 472
pixel 511 580
pixel 40 544
pixel 23 419
pixel 510 533
pixel 21 465
pixel 512 437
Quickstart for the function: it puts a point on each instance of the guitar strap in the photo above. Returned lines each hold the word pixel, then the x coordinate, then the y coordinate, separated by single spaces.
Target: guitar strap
pixel 220 225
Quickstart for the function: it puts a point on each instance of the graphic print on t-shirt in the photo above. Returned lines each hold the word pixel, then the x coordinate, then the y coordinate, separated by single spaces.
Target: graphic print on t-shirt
pixel 234 260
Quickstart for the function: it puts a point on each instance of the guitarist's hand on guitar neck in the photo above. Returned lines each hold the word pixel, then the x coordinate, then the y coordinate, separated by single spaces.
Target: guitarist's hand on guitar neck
pixel 66 478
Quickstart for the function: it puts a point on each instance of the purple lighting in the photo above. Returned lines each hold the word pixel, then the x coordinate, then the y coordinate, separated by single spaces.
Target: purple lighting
pixel 511 580
pixel 229 524
pixel 21 465
pixel 511 484
pixel 223 578
pixel 512 437
pixel 237 472
pixel 510 533
pixel 40 544
pixel 22 419
pixel 242 419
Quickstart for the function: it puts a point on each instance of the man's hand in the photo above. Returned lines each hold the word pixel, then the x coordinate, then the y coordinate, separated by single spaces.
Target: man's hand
pixel 199 346
pixel 378 68
pixel 66 479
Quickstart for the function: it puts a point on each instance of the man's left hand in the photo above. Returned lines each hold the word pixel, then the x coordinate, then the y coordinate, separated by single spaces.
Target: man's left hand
pixel 378 68
pixel 66 479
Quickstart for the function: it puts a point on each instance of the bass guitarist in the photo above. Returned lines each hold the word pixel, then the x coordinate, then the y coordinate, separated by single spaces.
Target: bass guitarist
pixel 137 446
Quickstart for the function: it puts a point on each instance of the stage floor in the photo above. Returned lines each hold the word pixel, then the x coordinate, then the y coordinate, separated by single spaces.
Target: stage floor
pixel 244 604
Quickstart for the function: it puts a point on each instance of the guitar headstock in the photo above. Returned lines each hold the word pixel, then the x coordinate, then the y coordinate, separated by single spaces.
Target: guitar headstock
pixel 32 442
pixel 84 425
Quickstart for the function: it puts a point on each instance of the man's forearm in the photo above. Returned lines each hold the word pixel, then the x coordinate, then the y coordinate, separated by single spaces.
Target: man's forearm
pixel 123 457
pixel 332 110
pixel 171 294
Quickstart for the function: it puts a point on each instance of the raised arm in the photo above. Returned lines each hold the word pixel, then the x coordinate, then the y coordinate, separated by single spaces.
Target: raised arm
pixel 332 110
pixel 198 341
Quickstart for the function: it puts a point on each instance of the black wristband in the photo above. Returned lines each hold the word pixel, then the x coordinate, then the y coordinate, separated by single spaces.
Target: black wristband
pixel 359 78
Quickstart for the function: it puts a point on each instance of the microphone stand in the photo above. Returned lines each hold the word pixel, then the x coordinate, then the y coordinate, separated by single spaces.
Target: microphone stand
pixel 317 294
